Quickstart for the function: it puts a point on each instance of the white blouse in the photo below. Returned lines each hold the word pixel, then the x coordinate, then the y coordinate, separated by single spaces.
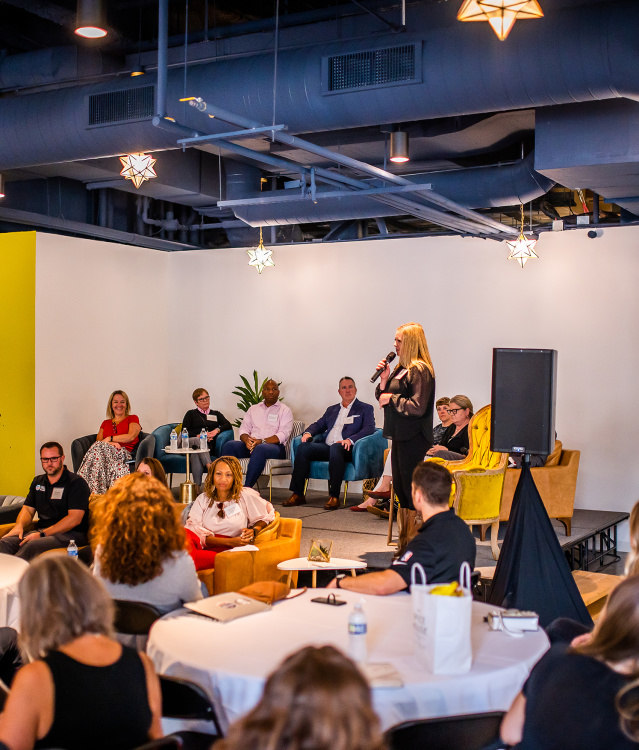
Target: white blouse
pixel 246 512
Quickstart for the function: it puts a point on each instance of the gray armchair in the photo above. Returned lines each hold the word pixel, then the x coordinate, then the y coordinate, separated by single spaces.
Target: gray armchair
pixel 10 506
pixel 144 449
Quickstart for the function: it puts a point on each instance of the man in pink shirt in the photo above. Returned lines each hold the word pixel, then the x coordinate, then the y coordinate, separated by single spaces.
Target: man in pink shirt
pixel 265 429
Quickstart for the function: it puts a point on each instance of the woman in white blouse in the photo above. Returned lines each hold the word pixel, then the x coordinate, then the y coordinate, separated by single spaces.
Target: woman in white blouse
pixel 225 515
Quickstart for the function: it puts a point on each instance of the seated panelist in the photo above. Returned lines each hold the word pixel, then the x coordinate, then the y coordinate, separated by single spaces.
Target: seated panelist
pixel 341 426
pixel 195 420
pixel 264 431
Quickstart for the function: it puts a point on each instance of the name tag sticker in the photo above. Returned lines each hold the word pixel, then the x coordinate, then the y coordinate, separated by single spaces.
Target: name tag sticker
pixel 211 418
pixel 349 420
pixel 231 510
pixel 400 375
pixel 271 418
pixel 57 493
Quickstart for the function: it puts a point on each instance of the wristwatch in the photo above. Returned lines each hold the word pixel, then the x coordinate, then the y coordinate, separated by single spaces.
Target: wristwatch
pixel 338 579
pixel 42 534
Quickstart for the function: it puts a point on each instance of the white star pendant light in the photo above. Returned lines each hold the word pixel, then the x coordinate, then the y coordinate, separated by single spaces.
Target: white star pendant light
pixel 138 168
pixel 260 257
pixel 522 249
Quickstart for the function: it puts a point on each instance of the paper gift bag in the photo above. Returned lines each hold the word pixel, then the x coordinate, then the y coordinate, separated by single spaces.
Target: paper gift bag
pixel 442 624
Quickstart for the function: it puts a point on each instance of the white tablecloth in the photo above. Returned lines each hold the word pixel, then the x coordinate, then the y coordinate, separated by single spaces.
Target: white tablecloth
pixel 231 661
pixel 11 571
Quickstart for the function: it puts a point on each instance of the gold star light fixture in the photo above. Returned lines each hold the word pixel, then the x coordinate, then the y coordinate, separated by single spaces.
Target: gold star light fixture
pixel 522 249
pixel 138 168
pixel 260 257
pixel 500 14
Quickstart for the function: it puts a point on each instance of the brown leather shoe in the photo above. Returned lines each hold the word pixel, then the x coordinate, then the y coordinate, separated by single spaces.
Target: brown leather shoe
pixel 294 500
pixel 332 504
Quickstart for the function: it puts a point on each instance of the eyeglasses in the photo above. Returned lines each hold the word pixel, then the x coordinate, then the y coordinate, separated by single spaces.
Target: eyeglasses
pixel 220 511
pixel 46 460
pixel 115 428
pixel 452 412
pixel 204 398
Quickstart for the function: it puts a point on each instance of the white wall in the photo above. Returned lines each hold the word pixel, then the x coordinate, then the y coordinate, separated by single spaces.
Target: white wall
pixel 101 325
pixel 104 322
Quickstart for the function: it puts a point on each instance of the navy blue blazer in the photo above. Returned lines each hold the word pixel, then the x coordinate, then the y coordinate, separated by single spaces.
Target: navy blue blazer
pixel 363 423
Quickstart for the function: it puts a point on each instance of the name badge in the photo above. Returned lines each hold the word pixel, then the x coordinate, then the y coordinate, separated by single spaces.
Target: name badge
pixel 232 510
pixel 400 375
pixel 57 493
pixel 349 420
pixel 211 418
pixel 271 417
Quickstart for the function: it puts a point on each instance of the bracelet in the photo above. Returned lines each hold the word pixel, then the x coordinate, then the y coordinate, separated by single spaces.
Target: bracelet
pixel 338 579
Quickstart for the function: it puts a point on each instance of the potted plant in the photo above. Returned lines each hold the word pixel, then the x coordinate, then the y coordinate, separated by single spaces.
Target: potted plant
pixel 250 394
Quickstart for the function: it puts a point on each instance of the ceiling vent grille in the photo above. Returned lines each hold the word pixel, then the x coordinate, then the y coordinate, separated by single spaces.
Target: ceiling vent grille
pixel 121 106
pixel 372 68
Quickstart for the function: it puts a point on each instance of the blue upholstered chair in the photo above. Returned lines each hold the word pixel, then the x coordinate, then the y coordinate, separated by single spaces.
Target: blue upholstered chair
pixel 368 459
pixel 177 464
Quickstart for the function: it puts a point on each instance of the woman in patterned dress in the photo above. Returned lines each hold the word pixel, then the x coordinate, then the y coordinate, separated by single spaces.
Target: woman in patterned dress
pixel 106 460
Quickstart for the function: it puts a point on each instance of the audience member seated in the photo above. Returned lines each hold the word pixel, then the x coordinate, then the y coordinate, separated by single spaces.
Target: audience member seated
pixel 339 428
pixel 225 515
pixel 82 689
pixel 382 489
pixel 316 699
pixel 453 445
pixel 106 460
pixel 264 431
pixel 140 545
pixel 61 500
pixel 195 420
pixel 10 657
pixel 153 468
pixel 585 697
pixel 441 545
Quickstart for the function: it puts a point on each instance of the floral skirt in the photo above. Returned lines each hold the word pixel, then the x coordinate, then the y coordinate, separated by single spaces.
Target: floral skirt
pixel 102 465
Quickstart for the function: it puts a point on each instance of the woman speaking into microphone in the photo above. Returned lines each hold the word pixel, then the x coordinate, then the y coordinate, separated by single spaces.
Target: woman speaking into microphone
pixel 407 396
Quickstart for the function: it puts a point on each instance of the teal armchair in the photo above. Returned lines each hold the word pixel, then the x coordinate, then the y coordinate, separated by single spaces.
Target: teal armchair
pixel 177 464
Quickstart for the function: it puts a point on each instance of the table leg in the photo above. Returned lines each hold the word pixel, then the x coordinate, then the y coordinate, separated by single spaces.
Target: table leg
pixel 289 579
pixel 188 468
pixel 314 579
pixel 353 573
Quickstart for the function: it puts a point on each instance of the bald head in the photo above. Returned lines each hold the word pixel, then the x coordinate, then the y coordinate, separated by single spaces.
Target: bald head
pixel 271 392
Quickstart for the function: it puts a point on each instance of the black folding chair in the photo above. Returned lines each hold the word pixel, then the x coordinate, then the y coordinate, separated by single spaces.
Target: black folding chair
pixel 183 699
pixel 134 618
pixel 468 732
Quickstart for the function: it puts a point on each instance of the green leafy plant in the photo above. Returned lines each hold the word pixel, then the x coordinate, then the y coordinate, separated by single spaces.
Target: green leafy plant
pixel 250 394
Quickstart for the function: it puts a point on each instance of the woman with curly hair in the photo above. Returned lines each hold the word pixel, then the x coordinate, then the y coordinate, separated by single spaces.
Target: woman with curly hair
pixel 317 698
pixel 140 545
pixel 225 515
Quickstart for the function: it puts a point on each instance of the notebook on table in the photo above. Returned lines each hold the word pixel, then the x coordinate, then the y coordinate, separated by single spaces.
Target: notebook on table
pixel 228 606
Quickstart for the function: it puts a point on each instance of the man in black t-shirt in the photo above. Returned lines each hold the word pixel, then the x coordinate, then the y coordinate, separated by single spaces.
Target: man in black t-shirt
pixel 442 543
pixel 61 500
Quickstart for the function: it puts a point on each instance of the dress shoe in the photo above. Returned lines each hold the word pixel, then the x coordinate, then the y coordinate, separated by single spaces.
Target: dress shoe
pixel 294 500
pixel 382 510
pixel 381 495
pixel 332 504
pixel 358 509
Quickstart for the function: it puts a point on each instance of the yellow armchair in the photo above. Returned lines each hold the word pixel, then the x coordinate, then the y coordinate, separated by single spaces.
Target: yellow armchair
pixel 479 480
pixel 278 542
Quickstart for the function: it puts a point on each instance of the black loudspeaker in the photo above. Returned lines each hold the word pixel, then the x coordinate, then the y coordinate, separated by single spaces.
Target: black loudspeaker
pixel 523 401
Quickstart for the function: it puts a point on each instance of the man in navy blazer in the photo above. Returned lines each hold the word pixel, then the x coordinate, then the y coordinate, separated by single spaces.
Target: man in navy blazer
pixel 339 428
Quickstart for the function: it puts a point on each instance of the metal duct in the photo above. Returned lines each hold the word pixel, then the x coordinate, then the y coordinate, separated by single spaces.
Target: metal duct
pixel 462 71
pixel 483 187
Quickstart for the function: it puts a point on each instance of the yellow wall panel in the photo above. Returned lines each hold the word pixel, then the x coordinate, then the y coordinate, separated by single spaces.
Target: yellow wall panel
pixel 17 361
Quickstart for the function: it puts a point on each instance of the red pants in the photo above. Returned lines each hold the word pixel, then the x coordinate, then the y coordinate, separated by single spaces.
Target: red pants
pixel 203 558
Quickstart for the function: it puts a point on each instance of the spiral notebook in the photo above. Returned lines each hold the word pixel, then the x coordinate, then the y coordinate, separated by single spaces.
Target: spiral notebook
pixel 226 607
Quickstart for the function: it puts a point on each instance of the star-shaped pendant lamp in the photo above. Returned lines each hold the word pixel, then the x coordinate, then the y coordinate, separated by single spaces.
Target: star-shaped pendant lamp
pixel 260 257
pixel 522 249
pixel 138 168
pixel 500 14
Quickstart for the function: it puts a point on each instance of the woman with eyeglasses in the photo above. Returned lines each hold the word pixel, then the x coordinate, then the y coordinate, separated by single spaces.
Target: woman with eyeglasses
pixel 195 420
pixel 106 460
pixel 454 444
pixel 225 515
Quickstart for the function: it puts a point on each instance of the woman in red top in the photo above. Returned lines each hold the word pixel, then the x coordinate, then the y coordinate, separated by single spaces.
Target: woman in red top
pixel 106 460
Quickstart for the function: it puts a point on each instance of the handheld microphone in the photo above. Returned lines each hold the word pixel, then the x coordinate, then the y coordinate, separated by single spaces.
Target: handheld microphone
pixel 389 358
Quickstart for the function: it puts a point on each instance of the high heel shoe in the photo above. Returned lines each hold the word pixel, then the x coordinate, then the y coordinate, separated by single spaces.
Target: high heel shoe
pixel 380 495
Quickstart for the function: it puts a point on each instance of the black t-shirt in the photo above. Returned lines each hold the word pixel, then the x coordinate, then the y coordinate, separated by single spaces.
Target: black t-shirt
pixel 53 502
pixel 458 443
pixel 442 544
pixel 570 704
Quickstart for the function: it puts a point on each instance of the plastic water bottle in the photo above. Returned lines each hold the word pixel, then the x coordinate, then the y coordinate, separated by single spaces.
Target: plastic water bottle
pixel 357 629
pixel 204 440
pixel 72 549
pixel 173 440
pixel 185 438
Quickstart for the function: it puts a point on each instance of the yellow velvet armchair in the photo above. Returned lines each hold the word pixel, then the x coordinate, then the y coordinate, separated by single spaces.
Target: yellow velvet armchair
pixel 479 480
pixel 279 541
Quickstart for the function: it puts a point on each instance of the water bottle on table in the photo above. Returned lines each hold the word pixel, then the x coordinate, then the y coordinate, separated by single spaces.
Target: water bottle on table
pixel 204 440
pixel 72 550
pixel 185 438
pixel 173 440
pixel 357 630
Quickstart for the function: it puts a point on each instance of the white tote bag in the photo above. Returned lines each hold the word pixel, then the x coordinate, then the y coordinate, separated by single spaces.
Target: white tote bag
pixel 442 624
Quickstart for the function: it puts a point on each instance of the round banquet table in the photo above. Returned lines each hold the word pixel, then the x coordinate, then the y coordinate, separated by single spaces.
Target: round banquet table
pixel 11 571
pixel 231 660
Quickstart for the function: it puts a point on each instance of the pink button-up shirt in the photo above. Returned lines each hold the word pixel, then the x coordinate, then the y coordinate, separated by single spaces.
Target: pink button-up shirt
pixel 263 421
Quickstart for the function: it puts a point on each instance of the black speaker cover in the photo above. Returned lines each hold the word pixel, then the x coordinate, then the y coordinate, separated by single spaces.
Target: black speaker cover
pixel 523 401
